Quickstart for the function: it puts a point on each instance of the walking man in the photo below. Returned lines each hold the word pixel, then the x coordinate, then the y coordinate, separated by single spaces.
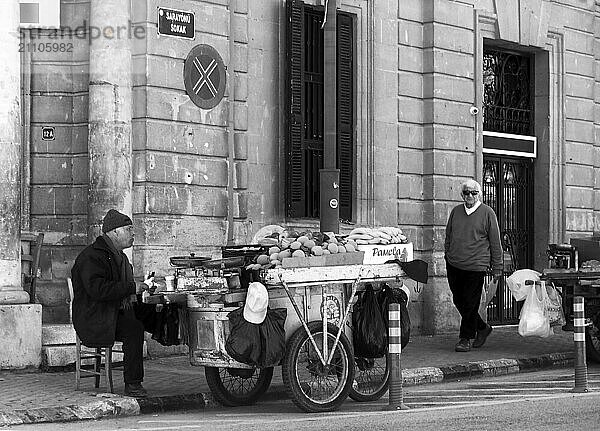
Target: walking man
pixel 472 246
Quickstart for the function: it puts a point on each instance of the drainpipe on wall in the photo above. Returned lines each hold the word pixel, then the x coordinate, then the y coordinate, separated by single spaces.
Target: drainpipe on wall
pixel 230 131
pixel 329 176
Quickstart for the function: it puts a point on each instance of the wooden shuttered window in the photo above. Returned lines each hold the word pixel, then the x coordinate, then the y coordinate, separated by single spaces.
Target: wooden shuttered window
pixel 304 144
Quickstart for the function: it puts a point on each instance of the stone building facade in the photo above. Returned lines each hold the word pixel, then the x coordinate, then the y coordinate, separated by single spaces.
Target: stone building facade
pixel 128 136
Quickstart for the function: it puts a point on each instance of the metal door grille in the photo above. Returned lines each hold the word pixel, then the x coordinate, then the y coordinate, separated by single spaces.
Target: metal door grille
pixel 507 188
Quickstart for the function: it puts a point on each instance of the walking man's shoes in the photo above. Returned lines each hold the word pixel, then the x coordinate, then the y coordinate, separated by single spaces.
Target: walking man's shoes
pixel 135 390
pixel 464 345
pixel 482 336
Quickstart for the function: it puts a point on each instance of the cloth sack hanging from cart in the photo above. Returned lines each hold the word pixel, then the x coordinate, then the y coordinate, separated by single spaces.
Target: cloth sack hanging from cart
pixel 393 295
pixel 260 345
pixel 534 320
pixel 369 334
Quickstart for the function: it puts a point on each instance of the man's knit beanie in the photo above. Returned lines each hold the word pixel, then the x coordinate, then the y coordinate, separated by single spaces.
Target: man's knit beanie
pixel 114 219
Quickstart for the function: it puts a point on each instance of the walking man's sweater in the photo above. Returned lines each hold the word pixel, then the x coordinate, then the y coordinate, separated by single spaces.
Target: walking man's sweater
pixel 473 241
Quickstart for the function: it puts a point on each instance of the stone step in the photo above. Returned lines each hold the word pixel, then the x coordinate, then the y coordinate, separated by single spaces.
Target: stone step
pixel 58 334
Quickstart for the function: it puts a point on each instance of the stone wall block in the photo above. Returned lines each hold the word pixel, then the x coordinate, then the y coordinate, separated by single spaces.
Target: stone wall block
pixel 183 169
pixel 440 136
pixel 410 33
pixel 240 116
pixel 449 87
pixel 46 170
pixel 410 84
pixel 579 131
pixel 448 62
pixel 165 72
pixel 410 161
pixel 410 135
pixel 177 231
pixel 582 176
pixel 411 10
pixel 21 332
pixel 240 28
pixel 186 138
pixel 451 13
pixel 577 64
pixel 51 109
pixel 579 109
pixel 410 110
pixel 241 146
pixel 241 175
pixel 241 87
pixel 185 200
pixel 410 187
pixel 410 59
pixel 240 201
pixel 240 57
pixel 410 212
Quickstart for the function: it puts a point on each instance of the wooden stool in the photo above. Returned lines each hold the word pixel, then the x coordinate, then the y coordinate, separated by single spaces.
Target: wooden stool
pixel 83 352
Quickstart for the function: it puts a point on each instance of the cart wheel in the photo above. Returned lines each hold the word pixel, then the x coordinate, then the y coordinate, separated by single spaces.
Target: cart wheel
pixel 238 386
pixel 371 378
pixel 313 387
pixel 592 343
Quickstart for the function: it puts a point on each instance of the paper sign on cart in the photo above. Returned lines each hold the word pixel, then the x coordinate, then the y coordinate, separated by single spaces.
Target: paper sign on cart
pixel 379 253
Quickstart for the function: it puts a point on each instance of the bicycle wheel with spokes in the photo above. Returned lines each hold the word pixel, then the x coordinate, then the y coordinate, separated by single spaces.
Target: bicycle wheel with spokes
pixel 371 378
pixel 315 387
pixel 238 386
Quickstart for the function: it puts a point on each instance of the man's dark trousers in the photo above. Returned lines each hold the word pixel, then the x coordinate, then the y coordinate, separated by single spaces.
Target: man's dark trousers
pixel 130 330
pixel 466 287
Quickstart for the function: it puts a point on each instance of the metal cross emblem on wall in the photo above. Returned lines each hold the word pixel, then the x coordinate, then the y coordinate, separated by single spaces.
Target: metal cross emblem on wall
pixel 204 76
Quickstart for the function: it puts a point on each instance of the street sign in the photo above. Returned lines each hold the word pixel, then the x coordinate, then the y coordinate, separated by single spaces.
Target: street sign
pixel 178 23
pixel 204 76
pixel 47 133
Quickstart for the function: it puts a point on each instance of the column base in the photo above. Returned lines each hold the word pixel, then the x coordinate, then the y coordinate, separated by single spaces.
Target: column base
pixel 9 297
pixel 21 335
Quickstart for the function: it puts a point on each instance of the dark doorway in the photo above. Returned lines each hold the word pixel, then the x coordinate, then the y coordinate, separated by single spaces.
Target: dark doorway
pixel 507 188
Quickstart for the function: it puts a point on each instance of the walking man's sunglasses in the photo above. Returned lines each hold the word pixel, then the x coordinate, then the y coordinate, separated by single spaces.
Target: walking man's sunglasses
pixel 470 192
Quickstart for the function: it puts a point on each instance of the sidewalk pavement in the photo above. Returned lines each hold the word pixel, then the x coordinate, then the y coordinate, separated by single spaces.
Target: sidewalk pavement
pixel 172 383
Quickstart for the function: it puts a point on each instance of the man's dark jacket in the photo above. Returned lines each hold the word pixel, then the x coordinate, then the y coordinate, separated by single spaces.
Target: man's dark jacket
pixel 98 289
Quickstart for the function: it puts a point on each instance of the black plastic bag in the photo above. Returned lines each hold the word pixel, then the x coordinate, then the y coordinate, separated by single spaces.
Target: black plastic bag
pixel 167 328
pixel 369 334
pixel 389 295
pixel 244 341
pixel 272 335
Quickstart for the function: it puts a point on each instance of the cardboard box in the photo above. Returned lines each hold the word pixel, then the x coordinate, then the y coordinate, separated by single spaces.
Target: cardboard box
pixel 379 253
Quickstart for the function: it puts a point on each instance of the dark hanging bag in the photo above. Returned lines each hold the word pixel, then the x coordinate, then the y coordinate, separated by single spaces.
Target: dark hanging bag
pixel 369 332
pixel 244 341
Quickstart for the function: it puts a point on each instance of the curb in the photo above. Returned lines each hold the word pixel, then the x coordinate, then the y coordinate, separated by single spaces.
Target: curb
pixel 490 368
pixel 116 405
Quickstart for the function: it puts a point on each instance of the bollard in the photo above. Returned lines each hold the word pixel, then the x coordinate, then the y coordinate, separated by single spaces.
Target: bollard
pixel 581 383
pixel 396 401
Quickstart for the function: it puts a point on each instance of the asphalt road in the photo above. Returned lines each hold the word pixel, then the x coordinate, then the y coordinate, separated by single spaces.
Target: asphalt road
pixel 532 401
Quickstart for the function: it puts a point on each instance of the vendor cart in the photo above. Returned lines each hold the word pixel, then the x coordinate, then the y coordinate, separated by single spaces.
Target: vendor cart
pixel 587 285
pixel 319 368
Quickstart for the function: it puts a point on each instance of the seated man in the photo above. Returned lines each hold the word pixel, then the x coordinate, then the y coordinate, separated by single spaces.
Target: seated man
pixel 105 306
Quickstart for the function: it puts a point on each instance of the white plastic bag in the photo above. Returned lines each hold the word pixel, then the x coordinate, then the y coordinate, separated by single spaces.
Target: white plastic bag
pixel 534 319
pixel 516 282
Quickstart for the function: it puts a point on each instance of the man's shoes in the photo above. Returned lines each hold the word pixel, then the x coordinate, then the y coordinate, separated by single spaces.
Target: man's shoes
pixel 135 390
pixel 464 345
pixel 482 336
